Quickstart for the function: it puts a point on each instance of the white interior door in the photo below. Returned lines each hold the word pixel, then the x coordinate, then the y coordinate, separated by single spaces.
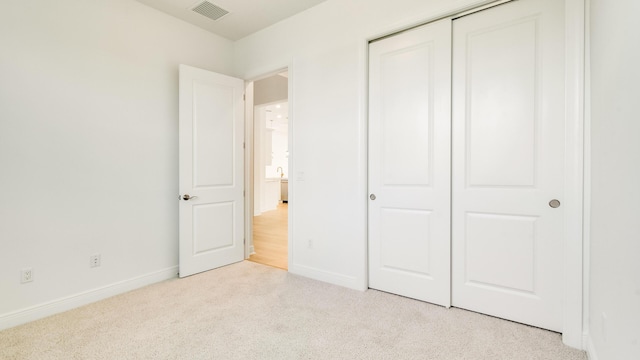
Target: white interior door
pixel 409 163
pixel 211 181
pixel 508 162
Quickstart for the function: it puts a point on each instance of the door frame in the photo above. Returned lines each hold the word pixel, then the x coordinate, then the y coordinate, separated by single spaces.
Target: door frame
pixel 575 279
pixel 249 158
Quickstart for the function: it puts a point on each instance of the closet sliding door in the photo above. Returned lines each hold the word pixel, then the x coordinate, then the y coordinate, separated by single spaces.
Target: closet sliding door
pixel 508 162
pixel 466 192
pixel 409 163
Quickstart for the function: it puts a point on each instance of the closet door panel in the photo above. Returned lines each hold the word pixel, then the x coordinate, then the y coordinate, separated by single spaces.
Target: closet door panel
pixel 409 163
pixel 508 162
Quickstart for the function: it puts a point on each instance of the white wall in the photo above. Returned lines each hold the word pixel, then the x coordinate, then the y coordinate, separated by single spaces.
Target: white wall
pixel 88 146
pixel 615 177
pixel 326 49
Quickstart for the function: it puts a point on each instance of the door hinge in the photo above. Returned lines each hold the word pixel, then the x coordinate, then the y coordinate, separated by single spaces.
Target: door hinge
pixel 243 193
pixel 244 97
pixel 243 145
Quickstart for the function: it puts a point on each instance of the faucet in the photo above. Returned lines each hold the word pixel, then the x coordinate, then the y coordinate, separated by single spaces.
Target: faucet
pixel 279 169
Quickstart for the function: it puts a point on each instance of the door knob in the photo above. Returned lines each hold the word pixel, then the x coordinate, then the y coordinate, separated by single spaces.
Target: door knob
pixel 554 203
pixel 372 196
pixel 187 197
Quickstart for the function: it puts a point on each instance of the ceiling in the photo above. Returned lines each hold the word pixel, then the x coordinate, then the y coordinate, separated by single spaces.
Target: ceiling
pixel 244 18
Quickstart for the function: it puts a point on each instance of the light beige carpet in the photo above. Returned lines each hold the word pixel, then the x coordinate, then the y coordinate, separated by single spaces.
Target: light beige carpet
pixel 252 311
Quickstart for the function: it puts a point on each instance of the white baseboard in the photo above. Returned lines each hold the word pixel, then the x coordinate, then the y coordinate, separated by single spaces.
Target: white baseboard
pixel 326 276
pixel 71 302
pixel 590 348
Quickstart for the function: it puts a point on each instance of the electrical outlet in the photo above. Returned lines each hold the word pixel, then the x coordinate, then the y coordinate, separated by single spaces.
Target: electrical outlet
pixel 310 243
pixel 94 260
pixel 26 275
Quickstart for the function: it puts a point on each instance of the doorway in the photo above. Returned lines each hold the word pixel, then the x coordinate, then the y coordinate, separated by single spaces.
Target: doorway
pixel 270 190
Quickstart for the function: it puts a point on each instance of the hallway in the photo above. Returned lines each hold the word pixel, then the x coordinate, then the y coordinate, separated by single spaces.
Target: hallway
pixel 270 237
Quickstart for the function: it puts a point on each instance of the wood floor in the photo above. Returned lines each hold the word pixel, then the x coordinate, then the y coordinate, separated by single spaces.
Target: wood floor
pixel 270 236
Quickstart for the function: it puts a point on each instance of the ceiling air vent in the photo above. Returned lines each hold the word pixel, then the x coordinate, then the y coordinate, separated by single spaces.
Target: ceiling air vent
pixel 212 11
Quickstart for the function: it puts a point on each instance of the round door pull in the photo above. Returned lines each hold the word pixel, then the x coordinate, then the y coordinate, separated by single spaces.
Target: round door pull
pixel 372 196
pixel 554 203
